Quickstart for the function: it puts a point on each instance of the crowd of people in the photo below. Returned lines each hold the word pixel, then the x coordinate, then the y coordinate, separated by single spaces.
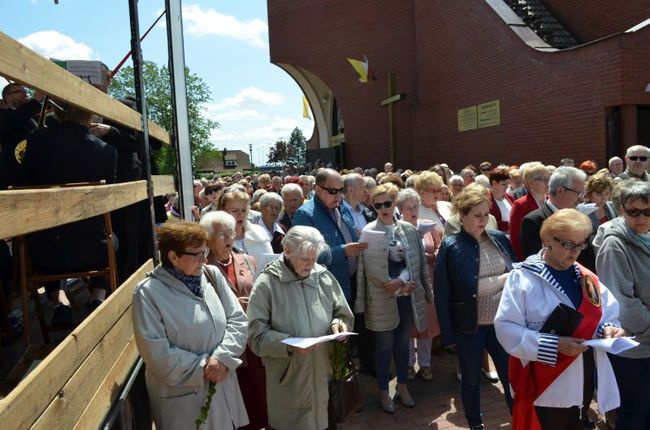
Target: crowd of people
pixel 521 264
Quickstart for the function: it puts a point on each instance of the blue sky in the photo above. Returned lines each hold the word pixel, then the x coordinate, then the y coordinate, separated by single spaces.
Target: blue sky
pixel 226 44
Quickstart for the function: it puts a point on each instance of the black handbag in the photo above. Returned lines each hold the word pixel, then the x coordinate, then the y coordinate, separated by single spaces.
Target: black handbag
pixel 344 392
pixel 563 321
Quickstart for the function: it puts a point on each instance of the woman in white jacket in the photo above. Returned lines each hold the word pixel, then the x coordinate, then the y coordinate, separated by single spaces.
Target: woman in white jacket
pixel 551 374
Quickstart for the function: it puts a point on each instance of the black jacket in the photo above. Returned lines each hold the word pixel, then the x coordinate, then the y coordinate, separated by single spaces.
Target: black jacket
pixel 15 126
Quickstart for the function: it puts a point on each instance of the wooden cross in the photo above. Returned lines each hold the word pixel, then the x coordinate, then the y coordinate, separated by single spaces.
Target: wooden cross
pixel 390 101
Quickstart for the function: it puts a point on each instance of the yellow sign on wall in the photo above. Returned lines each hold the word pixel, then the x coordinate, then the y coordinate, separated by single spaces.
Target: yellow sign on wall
pixel 489 114
pixel 467 118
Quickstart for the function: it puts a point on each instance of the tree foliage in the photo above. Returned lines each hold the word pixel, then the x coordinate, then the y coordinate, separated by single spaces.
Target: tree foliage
pixel 157 90
pixel 297 147
pixel 279 153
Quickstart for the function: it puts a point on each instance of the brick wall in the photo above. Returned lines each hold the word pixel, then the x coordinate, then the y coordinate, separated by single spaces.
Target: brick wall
pixel 449 55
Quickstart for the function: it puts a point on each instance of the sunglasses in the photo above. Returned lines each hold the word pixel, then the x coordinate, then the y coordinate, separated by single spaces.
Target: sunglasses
pixel 638 158
pixel 382 205
pixel 635 213
pixel 570 246
pixel 332 191
pixel 197 255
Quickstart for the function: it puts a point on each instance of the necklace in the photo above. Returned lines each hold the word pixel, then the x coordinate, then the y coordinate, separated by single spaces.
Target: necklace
pixel 227 263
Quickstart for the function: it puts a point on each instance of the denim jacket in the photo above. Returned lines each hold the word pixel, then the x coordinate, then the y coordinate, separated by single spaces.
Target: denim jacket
pixel 456 281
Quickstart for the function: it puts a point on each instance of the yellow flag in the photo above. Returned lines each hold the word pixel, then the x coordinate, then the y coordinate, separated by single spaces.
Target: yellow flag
pixel 305 108
pixel 362 68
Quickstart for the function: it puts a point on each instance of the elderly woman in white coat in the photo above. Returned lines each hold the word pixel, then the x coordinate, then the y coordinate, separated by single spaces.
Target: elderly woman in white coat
pixel 295 297
pixel 190 331
pixel 551 375
pixel 393 288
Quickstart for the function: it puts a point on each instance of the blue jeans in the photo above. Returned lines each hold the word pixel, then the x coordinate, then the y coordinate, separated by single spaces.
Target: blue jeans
pixel 633 379
pixel 469 347
pixel 394 342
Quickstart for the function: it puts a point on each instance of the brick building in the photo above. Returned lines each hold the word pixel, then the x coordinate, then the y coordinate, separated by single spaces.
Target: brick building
pixel 523 79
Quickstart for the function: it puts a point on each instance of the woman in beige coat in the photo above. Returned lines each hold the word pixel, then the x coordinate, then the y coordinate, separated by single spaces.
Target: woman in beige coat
pixel 189 332
pixel 295 297
pixel 393 287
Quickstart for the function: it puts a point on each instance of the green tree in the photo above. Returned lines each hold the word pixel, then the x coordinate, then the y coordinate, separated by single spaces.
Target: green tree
pixel 297 147
pixel 279 153
pixel 157 90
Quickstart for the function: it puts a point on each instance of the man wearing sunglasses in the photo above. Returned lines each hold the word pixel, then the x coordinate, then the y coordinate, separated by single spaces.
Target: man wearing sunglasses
pixel 636 159
pixel 566 189
pixel 325 212
pixel 17 122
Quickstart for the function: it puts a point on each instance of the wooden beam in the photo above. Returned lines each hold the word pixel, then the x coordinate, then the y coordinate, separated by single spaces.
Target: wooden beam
pixel 73 397
pixel 22 407
pixel 107 392
pixel 26 211
pixel 21 64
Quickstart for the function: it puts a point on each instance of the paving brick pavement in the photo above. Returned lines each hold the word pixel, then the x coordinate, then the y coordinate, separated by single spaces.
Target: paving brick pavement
pixel 438 407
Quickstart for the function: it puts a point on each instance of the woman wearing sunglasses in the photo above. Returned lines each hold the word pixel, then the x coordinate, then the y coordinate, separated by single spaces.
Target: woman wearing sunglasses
pixel 549 307
pixel 623 263
pixel 471 268
pixel 393 288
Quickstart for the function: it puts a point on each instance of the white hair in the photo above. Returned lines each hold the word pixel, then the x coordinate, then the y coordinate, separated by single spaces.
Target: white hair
pixel 564 176
pixel 301 239
pixel 483 180
pixel 268 198
pixel 405 195
pixel 257 195
pixel 291 188
pixel 210 219
pixel 613 159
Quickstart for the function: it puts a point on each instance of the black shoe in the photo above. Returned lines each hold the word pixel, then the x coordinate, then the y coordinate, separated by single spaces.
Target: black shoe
pixel 94 304
pixel 62 316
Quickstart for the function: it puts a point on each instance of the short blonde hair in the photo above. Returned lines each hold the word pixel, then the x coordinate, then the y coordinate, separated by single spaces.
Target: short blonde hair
pixel 387 188
pixel 427 179
pixel 565 220
pixel 532 169
pixel 599 183
pixel 472 195
pixel 233 192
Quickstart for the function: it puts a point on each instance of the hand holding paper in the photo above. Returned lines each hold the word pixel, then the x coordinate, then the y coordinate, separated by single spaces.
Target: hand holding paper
pixel 306 342
pixel 613 345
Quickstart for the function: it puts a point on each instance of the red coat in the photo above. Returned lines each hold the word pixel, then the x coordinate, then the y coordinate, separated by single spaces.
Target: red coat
pixel 503 225
pixel 520 208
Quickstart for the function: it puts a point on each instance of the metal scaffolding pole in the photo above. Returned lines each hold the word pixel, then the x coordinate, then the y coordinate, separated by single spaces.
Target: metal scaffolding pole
pixel 179 106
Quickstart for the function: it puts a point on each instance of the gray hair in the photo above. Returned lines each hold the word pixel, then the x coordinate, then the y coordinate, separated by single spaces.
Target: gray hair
pixel 632 190
pixel 307 179
pixel 268 198
pixel 483 180
pixel 210 219
pixel 564 176
pixel 369 182
pixel 257 195
pixel 635 148
pixel 301 239
pixel 405 195
pixel 456 178
pixel 613 159
pixel 350 180
pixel 291 188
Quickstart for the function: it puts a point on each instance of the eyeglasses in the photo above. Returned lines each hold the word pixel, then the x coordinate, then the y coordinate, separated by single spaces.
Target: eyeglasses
pixel 540 178
pixel 570 246
pixel 332 191
pixel 382 205
pixel 635 213
pixel 197 255
pixel 225 235
pixel 638 158
pixel 580 194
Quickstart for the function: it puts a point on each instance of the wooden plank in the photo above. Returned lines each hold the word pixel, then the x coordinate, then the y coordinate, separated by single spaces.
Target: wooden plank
pixel 107 392
pixel 31 397
pixel 25 211
pixel 67 407
pixel 21 64
pixel 163 185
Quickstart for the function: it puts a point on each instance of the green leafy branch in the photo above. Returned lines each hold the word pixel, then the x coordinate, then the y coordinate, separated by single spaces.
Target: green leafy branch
pixel 203 415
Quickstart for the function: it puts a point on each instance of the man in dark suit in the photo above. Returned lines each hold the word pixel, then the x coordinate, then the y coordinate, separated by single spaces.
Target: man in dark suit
pixel 566 189
pixel 68 153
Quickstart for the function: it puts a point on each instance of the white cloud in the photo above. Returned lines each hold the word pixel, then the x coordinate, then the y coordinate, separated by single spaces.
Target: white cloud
pixel 208 22
pixel 239 115
pixel 248 96
pixel 277 128
pixel 52 44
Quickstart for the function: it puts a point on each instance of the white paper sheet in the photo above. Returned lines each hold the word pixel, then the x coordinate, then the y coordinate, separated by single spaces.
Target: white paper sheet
pixel 306 342
pixel 587 208
pixel 614 345
pixel 425 226
pixel 373 238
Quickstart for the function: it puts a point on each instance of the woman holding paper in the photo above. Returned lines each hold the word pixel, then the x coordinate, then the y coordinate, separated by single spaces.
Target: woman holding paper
pixel 393 286
pixel 623 262
pixel 295 297
pixel 471 268
pixel 408 203
pixel 549 307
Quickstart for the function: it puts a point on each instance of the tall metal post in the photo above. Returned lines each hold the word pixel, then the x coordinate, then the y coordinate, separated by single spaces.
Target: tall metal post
pixel 179 105
pixel 141 105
